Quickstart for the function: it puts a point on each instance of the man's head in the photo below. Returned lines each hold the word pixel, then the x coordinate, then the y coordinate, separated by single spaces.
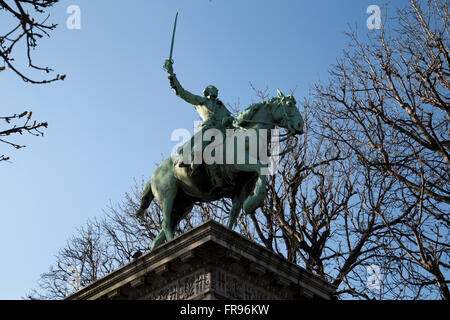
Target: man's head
pixel 211 92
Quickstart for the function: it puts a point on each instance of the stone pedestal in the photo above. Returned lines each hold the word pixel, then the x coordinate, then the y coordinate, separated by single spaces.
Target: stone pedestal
pixel 208 262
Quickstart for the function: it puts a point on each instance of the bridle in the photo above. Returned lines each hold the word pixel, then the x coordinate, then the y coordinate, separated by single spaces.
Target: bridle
pixel 285 136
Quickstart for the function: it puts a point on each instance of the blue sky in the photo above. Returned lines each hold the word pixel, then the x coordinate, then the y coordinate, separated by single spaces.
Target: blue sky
pixel 110 121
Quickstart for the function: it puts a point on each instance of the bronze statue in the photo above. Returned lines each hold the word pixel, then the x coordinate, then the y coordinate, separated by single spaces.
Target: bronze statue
pixel 238 172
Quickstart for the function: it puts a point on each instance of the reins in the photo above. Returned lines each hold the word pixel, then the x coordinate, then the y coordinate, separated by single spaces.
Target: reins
pixel 284 136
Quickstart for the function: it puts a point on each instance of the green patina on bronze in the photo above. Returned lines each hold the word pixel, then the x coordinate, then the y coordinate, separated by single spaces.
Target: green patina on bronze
pixel 178 186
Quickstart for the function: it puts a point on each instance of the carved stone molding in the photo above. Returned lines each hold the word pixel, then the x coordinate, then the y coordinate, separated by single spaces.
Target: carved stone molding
pixel 208 262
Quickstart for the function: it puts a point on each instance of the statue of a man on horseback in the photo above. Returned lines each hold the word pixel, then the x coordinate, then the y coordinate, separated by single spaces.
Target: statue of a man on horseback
pixel 178 185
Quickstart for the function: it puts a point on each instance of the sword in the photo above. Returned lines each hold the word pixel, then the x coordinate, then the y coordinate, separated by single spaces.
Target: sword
pixel 173 38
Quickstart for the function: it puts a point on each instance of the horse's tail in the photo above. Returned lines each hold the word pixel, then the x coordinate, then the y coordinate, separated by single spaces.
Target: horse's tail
pixel 147 198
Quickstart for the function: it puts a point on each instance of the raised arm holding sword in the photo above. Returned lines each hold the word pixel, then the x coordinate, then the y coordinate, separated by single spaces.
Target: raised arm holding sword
pixel 212 111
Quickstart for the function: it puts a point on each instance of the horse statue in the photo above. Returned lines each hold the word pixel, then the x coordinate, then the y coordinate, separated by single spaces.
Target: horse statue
pixel 177 188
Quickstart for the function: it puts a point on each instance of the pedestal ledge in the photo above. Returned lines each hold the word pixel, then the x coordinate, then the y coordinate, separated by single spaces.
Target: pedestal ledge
pixel 208 262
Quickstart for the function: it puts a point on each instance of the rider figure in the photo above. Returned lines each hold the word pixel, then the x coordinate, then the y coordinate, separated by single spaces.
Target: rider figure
pixel 212 111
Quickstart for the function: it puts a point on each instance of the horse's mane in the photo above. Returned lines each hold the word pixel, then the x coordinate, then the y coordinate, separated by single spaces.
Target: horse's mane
pixel 249 113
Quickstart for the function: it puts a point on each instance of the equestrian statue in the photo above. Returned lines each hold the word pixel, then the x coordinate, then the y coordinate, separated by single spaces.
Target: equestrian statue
pixel 211 165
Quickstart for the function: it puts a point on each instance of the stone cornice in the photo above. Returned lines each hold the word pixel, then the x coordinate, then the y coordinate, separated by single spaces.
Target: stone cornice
pixel 209 243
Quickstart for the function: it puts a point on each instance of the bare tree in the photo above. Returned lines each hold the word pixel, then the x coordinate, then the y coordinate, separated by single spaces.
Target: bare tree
pixel 33 128
pixel 387 101
pixel 319 214
pixel 28 28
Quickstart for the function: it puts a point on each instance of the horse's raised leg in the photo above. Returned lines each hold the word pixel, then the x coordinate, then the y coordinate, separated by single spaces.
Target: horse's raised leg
pixel 256 199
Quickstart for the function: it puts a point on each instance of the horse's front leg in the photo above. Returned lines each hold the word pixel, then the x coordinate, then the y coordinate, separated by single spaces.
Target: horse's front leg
pixel 256 198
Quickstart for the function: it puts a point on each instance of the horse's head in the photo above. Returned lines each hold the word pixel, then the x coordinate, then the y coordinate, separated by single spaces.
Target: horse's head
pixel 286 115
